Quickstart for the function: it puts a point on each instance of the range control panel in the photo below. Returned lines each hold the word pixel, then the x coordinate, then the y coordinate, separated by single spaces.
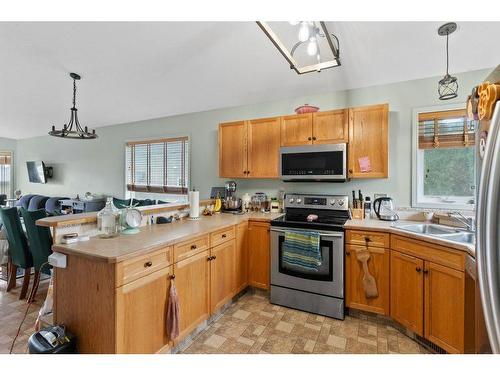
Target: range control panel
pixel 324 202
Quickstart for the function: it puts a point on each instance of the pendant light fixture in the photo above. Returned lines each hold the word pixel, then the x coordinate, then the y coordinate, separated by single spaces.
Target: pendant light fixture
pixel 73 129
pixel 448 85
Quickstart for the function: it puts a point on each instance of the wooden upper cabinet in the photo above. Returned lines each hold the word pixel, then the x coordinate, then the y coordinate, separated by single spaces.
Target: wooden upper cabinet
pixel 233 149
pixel 258 254
pixel 368 137
pixel 330 127
pixel 407 291
pixel 136 305
pixel 296 130
pixel 378 265
pixel 192 280
pixel 221 274
pixel 444 307
pixel 263 148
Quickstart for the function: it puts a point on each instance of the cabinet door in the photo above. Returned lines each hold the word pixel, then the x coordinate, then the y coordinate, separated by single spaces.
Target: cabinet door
pixel 407 286
pixel 221 274
pixel 331 127
pixel 258 254
pixel 141 308
pixel 296 130
pixel 233 149
pixel 263 148
pixel 444 307
pixel 241 258
pixel 368 137
pixel 192 280
pixel 378 265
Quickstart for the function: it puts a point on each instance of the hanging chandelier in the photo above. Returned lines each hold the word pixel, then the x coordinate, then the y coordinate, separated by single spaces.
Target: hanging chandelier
pixel 448 85
pixel 73 129
pixel 307 46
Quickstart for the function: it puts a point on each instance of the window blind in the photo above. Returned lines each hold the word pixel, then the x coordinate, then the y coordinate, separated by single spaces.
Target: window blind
pixel 5 172
pixel 445 129
pixel 158 166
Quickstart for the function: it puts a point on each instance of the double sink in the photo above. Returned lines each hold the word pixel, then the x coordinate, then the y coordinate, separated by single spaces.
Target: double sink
pixel 440 231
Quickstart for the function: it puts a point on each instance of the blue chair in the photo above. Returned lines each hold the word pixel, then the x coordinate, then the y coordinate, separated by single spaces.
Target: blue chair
pixel 18 247
pixel 24 201
pixel 53 206
pixel 3 199
pixel 37 202
pixel 40 245
pixel 121 203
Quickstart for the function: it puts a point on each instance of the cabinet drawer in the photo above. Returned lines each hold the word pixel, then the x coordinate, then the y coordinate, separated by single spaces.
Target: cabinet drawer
pixel 190 247
pixel 373 239
pixel 427 251
pixel 133 269
pixel 221 236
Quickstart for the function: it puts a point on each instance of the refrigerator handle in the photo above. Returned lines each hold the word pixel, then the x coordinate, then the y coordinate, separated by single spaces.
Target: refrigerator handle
pixel 487 247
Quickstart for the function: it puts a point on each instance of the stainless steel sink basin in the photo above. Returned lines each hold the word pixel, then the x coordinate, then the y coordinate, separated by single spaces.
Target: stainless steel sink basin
pixel 430 229
pixel 440 231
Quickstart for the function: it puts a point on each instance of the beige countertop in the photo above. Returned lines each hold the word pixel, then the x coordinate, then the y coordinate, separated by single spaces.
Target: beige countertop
pixel 153 237
pixel 388 226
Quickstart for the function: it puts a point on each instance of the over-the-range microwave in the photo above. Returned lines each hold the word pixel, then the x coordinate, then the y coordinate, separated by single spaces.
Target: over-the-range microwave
pixel 314 163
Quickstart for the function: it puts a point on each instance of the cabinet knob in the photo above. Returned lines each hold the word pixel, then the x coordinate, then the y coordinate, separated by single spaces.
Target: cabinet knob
pixel 314 138
pixel 248 172
pixel 309 138
pixel 426 272
pixel 224 236
pixel 350 170
pixel 209 258
pixel 368 239
pixel 347 253
pixel 172 277
pixel 418 269
pixel 193 247
pixel 214 257
pixel 148 264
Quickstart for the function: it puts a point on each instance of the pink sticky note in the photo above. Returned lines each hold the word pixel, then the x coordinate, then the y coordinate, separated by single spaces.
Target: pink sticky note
pixel 364 164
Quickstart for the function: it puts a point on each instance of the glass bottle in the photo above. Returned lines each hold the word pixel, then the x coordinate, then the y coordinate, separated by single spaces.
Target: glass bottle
pixel 108 220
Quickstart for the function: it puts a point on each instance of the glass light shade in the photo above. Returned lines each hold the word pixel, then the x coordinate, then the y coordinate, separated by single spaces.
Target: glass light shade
pixel 304 31
pixel 312 47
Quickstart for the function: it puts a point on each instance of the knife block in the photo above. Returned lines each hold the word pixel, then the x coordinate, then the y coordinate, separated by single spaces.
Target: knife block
pixel 358 213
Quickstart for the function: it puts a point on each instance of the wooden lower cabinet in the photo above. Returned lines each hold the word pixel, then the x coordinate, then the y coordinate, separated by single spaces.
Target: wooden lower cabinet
pixel 378 265
pixel 444 307
pixel 241 258
pixel 258 254
pixel 221 274
pixel 136 305
pixel 407 291
pixel 192 280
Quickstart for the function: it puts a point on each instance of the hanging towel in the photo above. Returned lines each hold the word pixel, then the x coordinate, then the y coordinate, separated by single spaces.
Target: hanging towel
pixel 302 249
pixel 173 312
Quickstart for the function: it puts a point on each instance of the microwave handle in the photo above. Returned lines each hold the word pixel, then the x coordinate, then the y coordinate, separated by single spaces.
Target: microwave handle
pixel 337 235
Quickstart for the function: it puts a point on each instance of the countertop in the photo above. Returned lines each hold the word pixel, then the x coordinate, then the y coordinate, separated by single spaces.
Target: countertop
pixel 388 226
pixel 153 237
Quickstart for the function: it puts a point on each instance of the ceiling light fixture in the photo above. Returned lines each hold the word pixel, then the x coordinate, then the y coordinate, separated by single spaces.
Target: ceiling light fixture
pixel 448 85
pixel 310 35
pixel 67 131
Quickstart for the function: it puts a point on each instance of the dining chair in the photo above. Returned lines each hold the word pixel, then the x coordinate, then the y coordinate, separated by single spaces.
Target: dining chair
pixel 40 245
pixel 18 249
pixel 121 203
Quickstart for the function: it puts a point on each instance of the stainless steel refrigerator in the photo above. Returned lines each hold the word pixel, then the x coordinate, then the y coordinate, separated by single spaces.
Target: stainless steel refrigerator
pixel 488 220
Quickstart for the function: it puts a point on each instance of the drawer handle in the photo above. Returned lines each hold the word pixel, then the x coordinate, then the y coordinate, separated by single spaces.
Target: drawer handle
pixel 148 264
pixel 418 269
pixel 224 236
pixel 193 247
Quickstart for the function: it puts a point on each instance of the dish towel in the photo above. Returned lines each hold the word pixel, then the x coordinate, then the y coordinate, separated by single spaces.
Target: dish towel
pixel 302 249
pixel 173 312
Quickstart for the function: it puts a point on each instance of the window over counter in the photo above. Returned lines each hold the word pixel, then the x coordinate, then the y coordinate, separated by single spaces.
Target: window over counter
pixel 5 173
pixel 158 166
pixel 444 165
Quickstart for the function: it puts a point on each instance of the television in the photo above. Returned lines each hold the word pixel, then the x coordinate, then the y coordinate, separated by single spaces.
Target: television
pixel 36 172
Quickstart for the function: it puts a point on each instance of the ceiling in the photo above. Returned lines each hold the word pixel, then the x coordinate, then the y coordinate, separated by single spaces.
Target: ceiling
pixel 134 71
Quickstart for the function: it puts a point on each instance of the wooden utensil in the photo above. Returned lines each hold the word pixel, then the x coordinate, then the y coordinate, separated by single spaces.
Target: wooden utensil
pixel 369 282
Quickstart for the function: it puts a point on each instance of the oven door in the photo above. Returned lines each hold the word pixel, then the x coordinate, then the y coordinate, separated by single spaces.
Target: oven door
pixel 313 163
pixel 328 280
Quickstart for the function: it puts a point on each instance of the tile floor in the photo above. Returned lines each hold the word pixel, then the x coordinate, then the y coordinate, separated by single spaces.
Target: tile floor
pixel 253 325
pixel 11 313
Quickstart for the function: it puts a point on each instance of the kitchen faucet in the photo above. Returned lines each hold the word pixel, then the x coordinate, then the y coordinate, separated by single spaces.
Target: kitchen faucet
pixel 468 222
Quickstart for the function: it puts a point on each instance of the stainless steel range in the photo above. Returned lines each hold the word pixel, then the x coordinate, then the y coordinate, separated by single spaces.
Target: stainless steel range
pixel 321 290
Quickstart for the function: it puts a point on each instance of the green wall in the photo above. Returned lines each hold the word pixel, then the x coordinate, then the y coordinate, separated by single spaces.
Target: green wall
pixel 98 166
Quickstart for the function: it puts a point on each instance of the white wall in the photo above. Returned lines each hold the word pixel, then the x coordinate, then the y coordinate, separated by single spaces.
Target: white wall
pixel 98 165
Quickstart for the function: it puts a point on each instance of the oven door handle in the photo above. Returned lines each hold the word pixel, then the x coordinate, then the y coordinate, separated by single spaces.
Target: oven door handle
pixel 322 234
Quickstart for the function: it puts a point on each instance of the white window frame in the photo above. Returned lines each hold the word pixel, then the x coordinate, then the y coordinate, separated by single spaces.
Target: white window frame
pixel 10 194
pixel 417 188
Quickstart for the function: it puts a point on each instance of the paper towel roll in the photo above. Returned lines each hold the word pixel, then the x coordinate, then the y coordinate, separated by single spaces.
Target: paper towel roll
pixel 194 204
